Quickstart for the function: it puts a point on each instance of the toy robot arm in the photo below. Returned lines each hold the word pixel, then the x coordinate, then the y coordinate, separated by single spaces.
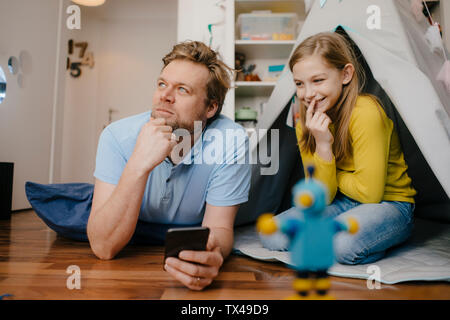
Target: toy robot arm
pixel 290 226
pixel 351 226
pixel 339 226
pixel 266 224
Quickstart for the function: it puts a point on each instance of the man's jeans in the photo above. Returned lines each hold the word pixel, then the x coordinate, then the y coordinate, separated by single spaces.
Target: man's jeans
pixel 381 226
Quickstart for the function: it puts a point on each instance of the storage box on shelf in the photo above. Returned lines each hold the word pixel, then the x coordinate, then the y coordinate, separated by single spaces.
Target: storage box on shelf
pixel 266 37
pixel 265 25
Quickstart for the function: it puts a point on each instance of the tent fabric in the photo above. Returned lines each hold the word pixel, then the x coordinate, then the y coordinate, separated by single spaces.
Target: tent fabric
pixel 429 63
pixel 402 72
pixel 429 191
pixel 272 193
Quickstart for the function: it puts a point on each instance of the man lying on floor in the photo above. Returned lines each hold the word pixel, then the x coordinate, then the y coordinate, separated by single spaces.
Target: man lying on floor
pixel 143 171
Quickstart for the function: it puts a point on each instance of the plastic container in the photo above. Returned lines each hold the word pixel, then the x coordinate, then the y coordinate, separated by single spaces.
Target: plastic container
pixel 274 72
pixel 247 118
pixel 268 26
pixel 246 114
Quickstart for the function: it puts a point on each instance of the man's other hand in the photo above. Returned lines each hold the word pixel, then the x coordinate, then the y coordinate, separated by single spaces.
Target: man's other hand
pixel 196 269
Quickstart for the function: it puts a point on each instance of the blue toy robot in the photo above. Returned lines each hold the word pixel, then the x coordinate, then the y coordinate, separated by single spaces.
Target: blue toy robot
pixel 310 236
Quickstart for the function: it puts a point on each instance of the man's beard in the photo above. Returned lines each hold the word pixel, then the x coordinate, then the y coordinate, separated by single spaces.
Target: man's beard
pixel 175 123
pixel 180 128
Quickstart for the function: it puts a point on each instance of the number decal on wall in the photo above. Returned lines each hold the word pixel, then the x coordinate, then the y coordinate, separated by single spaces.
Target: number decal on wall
pixel 87 58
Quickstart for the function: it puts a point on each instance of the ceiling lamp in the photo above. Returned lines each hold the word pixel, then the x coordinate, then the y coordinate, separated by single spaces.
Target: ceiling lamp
pixel 89 3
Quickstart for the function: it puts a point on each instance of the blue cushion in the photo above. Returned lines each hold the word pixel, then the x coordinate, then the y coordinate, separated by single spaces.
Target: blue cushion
pixel 65 208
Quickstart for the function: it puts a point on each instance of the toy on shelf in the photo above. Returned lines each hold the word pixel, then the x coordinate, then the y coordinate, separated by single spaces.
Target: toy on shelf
pixel 244 73
pixel 249 75
pixel 239 66
pixel 310 237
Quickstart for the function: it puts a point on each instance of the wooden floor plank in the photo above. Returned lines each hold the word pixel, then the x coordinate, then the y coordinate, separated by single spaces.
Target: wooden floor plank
pixel 34 262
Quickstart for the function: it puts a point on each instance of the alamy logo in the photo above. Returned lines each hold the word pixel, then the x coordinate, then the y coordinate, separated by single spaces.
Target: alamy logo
pixel 74 280
pixel 374 20
pixel 74 20
pixel 229 147
pixel 374 280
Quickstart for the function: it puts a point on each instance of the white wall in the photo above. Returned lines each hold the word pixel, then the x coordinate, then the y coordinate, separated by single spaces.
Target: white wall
pixel 80 106
pixel 128 39
pixel 33 95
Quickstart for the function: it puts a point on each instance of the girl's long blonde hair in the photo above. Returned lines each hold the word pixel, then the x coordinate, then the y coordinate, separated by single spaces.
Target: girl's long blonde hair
pixel 336 52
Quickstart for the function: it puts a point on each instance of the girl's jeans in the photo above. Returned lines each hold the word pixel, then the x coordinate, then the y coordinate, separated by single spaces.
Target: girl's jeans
pixel 381 226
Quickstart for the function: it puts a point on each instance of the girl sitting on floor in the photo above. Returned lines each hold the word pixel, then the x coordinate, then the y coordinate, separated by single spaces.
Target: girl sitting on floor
pixel 356 152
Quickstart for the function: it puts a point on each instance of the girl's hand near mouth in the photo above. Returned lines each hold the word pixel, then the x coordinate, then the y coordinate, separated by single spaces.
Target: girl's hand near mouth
pixel 317 122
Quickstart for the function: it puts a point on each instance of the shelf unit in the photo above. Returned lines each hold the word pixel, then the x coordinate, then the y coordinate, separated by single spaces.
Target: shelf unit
pixel 262 53
pixel 254 88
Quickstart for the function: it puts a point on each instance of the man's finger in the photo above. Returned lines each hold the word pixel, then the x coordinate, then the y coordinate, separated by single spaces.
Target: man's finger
pixel 203 257
pixel 193 283
pixel 174 137
pixel 164 128
pixel 167 135
pixel 212 242
pixel 211 245
pixel 192 269
pixel 157 121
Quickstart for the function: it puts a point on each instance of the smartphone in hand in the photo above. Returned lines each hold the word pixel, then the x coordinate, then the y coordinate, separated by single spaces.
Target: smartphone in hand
pixel 179 239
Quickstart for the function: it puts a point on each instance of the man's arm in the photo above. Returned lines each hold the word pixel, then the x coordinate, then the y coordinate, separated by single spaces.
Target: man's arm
pixel 220 221
pixel 197 269
pixel 229 186
pixel 115 209
pixel 114 212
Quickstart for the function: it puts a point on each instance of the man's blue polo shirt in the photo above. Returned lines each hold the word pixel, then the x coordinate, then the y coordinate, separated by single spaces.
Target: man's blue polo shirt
pixel 216 170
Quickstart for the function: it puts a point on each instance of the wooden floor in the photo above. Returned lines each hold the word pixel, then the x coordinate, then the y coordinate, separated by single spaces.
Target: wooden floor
pixel 34 261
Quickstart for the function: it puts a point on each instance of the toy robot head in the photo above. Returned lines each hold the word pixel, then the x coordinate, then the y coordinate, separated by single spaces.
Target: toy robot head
pixel 310 195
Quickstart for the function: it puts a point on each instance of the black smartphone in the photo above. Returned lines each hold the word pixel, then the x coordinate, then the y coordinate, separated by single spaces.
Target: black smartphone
pixel 179 239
